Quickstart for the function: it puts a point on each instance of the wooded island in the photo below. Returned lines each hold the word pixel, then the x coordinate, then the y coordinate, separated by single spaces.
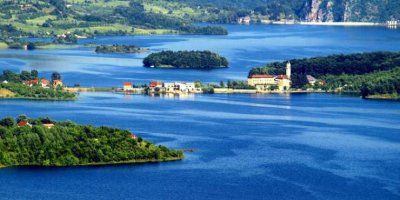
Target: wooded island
pixel 186 60
pixel 120 49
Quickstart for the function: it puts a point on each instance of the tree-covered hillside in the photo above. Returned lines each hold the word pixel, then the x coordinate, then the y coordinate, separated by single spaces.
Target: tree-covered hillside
pixel 98 17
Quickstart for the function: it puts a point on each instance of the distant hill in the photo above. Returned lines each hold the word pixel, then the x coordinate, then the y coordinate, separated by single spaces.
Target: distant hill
pixel 304 10
pixel 98 17
pixel 122 17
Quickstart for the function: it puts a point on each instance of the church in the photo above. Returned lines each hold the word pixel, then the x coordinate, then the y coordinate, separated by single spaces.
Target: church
pixel 267 82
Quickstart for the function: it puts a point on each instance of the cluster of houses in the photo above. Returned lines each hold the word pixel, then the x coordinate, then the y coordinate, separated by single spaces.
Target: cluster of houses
pixel 267 82
pixel 166 87
pixel 44 83
pixel 261 82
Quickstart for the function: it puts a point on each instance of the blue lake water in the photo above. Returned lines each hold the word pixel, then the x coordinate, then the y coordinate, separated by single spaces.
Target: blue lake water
pixel 316 146
pixel 245 47
pixel 302 146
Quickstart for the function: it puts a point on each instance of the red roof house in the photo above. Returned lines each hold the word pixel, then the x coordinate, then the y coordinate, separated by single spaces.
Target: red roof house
pixel 23 123
pixel 127 84
pixel 31 83
pixel 155 84
pixel 44 82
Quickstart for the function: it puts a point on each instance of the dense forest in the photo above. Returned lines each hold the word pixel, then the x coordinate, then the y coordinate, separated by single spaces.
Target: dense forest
pixel 348 72
pixel 44 142
pixel 186 60
pixel 12 85
pixel 375 83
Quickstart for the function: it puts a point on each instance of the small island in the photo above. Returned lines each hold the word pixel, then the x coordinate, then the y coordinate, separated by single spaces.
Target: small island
pixel 45 142
pixel 120 49
pixel 28 85
pixel 186 60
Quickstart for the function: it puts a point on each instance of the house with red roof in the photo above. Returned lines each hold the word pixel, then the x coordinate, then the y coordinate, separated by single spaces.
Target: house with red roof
pixel 31 83
pixel 44 83
pixel 154 84
pixel 23 123
pixel 128 87
pixel 156 87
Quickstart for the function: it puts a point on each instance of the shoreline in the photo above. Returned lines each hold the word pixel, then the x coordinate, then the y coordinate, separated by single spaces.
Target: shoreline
pixel 346 24
pixel 144 161
pixel 350 24
pixel 38 99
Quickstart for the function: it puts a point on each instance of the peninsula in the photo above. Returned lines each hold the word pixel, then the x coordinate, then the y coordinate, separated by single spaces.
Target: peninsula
pixel 45 142
pixel 186 60
pixel 28 85
pixel 372 75
pixel 120 49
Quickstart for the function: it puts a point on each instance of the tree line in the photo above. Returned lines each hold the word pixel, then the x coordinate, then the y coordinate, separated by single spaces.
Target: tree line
pixel 375 83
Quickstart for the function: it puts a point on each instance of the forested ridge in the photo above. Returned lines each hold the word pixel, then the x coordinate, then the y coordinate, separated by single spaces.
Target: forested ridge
pixel 68 144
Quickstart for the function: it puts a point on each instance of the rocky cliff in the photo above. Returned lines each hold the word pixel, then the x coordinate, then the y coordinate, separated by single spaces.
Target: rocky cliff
pixel 351 10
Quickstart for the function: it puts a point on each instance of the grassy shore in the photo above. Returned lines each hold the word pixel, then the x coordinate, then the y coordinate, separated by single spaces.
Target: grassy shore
pixel 3 45
pixel 4 93
pixel 395 97
pixel 39 99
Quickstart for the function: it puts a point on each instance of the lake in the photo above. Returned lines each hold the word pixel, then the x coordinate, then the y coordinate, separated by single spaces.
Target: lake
pixel 299 146
pixel 245 47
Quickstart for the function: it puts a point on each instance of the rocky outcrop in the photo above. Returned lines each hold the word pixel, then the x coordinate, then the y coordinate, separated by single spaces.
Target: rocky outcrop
pixel 321 11
pixel 351 10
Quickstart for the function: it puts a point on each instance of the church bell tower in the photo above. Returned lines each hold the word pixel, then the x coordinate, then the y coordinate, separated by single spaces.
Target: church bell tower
pixel 288 69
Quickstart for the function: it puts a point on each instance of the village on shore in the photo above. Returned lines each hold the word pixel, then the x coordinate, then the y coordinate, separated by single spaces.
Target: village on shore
pixel 257 83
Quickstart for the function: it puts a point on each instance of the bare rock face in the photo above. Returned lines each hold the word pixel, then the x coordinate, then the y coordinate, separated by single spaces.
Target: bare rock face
pixel 329 12
pixel 314 14
pixel 321 11
pixel 351 10
pixel 365 11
